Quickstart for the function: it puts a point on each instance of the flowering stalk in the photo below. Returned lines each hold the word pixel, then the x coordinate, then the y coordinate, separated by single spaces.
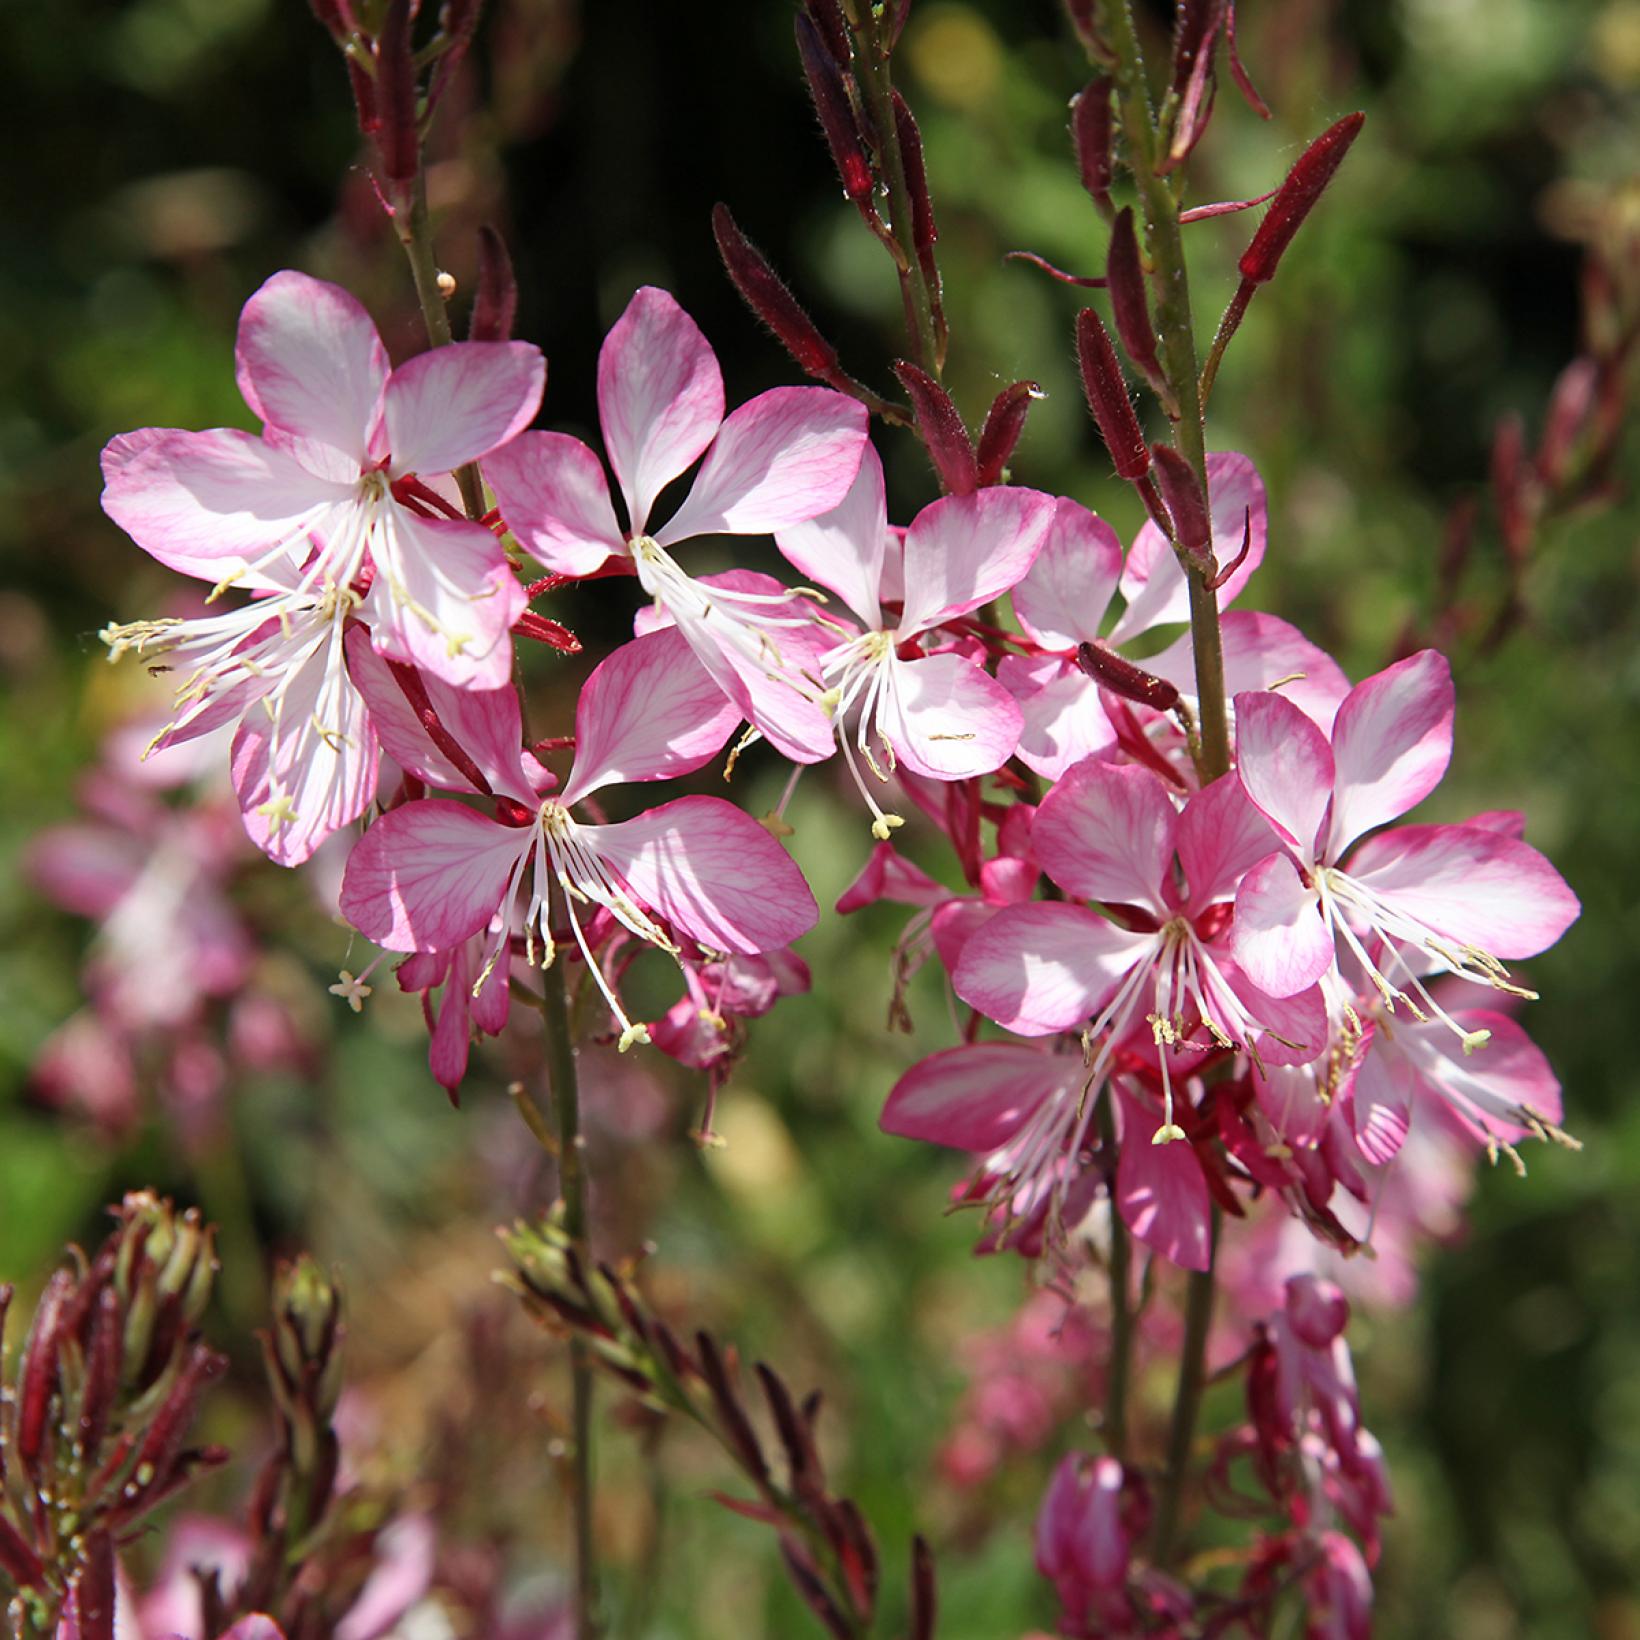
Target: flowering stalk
pixel 1160 203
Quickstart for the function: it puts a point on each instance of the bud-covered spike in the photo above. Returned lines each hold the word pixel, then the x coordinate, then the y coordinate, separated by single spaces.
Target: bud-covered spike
pixel 836 112
pixel 1004 423
pixel 1125 279
pixel 941 427
pixel 1111 671
pixel 1296 198
pixel 1108 400
pixel 766 294
pixel 495 302
pixel 398 137
pixel 1091 132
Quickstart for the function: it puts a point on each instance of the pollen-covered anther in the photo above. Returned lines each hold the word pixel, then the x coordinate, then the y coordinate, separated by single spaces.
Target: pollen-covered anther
pixel 884 824
pixel 352 991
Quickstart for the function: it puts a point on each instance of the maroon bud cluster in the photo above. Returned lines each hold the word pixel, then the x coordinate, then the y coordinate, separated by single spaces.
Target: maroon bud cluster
pixel 825 1543
pixel 94 1429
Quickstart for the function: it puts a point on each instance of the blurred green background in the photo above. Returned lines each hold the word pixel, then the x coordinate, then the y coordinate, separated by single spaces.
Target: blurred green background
pixel 166 155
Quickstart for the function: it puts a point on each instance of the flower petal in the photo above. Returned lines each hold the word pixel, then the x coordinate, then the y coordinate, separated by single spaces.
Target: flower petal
pixel 451 405
pixel 485 723
pixel 1063 719
pixel 1278 935
pixel 1286 767
pixel 843 549
pixel 964 550
pixel 444 598
pixel 1063 597
pixel 660 397
pixel 1152 581
pixel 650 711
pixel 780 459
pixel 1038 969
pixel 977 1097
pixel 1161 1191
pixel 552 491
pixel 430 874
pixel 309 362
pixel 1106 832
pixel 1479 888
pixel 1221 835
pixel 1391 744
pixel 203 503
pixel 1381 1103
pixel 888 875
pixel 713 872
pixel 947 718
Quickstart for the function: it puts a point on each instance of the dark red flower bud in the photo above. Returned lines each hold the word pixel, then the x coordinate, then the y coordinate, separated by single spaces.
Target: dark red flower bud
pixel 1186 502
pixel 495 301
pixel 765 293
pixel 1004 422
pixel 800 1569
pixel 1570 407
pixel 1510 487
pixel 832 103
pixel 364 97
pixel 940 426
pixel 94 1589
pixel 924 1601
pixel 1091 132
pixel 856 1555
pixel 334 17
pixel 549 632
pixel 102 1374
pixel 1195 33
pixel 457 23
pixel 18 1560
pixel 1296 198
pixel 797 1439
pixel 1122 677
pixel 832 27
pixel 736 1426
pixel 1108 397
pixel 923 230
pixel 398 137
pixel 1125 279
pixel 37 1376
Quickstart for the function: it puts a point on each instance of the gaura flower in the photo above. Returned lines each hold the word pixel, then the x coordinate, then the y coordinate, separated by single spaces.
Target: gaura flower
pixel 433 873
pixel 941 715
pixel 780 458
pixel 322 494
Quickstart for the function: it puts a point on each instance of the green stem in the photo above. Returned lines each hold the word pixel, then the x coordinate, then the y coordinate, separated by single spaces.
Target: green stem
pixel 871 31
pixel 1120 1366
pixel 565 1093
pixel 1171 285
pixel 414 227
pixel 1181 1438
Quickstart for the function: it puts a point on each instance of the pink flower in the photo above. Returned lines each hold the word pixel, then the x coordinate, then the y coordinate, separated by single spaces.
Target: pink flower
pixel 939 714
pixel 322 493
pixel 1065 601
pixel 1109 834
pixel 1456 898
pixel 777 460
pixel 434 873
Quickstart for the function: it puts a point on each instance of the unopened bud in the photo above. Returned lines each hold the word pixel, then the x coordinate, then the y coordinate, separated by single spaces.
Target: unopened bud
pixel 923 230
pixel 1091 132
pixel 398 137
pixel 1111 671
pixel 837 119
pixel 832 27
pixel 1108 400
pixel 1296 198
pixel 1004 423
pixel 1570 406
pixel 765 293
pixel 1125 279
pixel 1186 503
pixel 947 441
pixel 495 301
pixel 1195 33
